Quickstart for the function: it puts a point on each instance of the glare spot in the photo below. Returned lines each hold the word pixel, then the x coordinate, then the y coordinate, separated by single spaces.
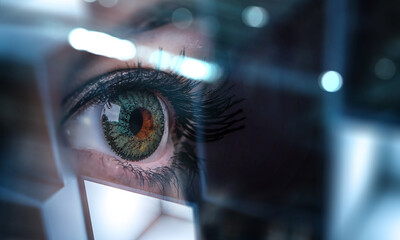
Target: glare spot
pixel 112 112
pixel 188 67
pixel 197 69
pixel 331 81
pixel 108 3
pixel 254 16
pixel 86 120
pixel 90 1
pixel 101 44
pixel 182 18
pixel 385 69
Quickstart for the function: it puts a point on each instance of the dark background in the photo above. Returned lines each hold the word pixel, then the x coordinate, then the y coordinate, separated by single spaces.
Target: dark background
pixel 269 180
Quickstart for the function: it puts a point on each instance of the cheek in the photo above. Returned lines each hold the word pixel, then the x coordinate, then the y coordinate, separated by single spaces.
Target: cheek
pixel 98 165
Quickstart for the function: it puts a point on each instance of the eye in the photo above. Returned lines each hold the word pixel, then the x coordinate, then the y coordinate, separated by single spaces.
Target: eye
pixel 133 124
pixel 139 127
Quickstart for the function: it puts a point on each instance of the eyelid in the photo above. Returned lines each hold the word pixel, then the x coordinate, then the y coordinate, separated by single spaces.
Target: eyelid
pixel 200 113
pixel 100 88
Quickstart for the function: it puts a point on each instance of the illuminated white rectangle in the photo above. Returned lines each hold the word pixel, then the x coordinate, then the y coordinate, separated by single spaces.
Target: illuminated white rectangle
pixel 121 214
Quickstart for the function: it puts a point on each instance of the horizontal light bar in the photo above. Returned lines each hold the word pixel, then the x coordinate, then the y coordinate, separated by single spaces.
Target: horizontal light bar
pixel 105 45
pixel 101 44
pixel 189 67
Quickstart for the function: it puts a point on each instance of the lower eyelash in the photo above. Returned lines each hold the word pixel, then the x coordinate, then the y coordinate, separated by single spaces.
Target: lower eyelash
pixel 160 177
pixel 179 175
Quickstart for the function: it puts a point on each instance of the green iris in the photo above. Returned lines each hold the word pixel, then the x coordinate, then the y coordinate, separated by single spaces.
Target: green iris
pixel 133 124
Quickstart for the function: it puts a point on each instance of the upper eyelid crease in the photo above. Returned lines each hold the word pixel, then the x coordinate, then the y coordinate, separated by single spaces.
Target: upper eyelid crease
pixel 103 78
pixel 109 83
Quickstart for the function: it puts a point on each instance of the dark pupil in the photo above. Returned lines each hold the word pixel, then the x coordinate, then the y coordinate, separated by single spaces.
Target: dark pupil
pixel 136 121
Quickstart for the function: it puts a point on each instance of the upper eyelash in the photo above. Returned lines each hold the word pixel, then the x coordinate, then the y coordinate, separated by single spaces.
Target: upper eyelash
pixel 200 115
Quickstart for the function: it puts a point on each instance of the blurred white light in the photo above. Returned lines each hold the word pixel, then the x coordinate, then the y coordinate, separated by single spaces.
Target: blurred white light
pixel 394 163
pixel 331 81
pixel 385 69
pixel 160 59
pixel 182 18
pixel 360 152
pixel 355 161
pixel 60 8
pixel 254 16
pixel 196 69
pixel 101 44
pixel 90 1
pixel 86 120
pixel 108 3
pixel 382 220
pixel 189 67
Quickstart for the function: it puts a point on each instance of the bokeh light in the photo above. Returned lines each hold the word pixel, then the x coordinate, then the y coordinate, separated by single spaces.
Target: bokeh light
pixel 385 69
pixel 255 17
pixel 331 81
pixel 182 18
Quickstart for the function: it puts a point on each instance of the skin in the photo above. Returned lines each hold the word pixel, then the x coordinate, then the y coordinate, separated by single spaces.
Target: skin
pixel 169 38
pixel 102 163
